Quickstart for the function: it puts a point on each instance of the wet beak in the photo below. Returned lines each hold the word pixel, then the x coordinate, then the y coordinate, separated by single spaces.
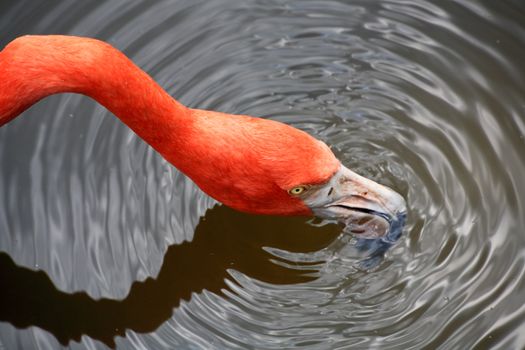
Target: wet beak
pixel 367 208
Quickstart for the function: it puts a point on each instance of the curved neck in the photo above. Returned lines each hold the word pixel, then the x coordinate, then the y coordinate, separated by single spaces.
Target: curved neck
pixel 33 67
pixel 244 162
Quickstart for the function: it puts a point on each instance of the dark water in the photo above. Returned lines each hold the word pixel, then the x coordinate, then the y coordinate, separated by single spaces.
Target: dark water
pixel 102 242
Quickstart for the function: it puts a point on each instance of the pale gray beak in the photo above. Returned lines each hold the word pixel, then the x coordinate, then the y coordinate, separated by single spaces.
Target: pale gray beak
pixel 367 208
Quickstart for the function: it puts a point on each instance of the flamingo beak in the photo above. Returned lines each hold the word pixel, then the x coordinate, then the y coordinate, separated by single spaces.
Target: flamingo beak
pixel 367 209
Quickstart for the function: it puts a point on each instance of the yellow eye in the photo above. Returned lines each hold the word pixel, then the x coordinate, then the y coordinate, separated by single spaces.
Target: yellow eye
pixel 297 190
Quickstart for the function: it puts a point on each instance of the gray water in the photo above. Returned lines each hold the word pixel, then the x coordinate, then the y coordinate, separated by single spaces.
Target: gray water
pixel 103 243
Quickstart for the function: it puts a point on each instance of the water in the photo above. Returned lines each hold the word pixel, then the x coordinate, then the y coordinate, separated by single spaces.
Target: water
pixel 104 243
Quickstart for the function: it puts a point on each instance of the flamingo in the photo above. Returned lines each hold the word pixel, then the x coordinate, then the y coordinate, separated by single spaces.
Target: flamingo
pixel 251 164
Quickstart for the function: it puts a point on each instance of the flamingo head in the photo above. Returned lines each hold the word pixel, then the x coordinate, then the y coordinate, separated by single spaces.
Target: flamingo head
pixel 266 167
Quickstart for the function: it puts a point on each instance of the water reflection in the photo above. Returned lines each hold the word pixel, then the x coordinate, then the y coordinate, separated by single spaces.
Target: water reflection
pixel 31 299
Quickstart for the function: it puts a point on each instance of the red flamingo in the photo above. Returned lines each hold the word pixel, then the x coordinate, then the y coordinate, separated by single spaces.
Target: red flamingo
pixel 250 164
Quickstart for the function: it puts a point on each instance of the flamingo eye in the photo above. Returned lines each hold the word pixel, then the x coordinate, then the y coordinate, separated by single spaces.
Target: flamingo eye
pixel 297 190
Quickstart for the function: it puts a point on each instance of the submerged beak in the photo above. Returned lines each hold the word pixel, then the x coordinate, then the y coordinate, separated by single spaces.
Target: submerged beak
pixel 367 208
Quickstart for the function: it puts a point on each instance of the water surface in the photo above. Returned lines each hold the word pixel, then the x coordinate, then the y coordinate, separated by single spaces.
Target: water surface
pixel 103 243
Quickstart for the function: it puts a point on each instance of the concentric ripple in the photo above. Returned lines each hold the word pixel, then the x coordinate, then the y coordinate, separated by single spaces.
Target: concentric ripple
pixel 104 243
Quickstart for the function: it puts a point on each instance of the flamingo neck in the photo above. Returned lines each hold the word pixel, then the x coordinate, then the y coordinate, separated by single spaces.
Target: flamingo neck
pixel 244 162
pixel 32 68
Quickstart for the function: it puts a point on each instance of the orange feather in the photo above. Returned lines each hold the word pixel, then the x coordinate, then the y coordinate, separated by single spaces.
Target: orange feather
pixel 244 162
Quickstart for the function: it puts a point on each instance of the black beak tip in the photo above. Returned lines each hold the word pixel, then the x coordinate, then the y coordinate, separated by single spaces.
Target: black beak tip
pixel 368 224
pixel 396 227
